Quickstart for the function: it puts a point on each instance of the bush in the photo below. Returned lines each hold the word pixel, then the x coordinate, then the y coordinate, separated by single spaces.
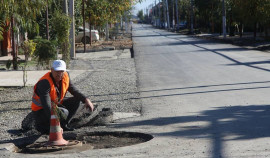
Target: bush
pixel 8 64
pixel 45 51
pixel 113 32
pixel 29 48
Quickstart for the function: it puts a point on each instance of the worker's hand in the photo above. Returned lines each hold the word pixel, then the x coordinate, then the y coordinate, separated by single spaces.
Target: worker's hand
pixel 89 104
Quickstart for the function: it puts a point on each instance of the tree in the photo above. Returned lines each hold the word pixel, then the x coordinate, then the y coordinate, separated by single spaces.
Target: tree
pixel 103 11
pixel 21 13
pixel 61 24
pixel 258 12
pixel 209 14
pixel 140 15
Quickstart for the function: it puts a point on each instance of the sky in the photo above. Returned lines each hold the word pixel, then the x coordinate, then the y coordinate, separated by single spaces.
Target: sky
pixel 144 4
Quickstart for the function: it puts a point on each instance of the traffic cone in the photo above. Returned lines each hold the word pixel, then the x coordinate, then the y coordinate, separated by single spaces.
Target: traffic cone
pixel 55 138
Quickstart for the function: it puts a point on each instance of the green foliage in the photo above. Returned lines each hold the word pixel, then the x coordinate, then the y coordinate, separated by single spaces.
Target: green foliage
pixel 140 15
pixel 22 15
pixel 78 14
pixel 258 10
pixel 208 14
pixel 29 47
pixel 45 51
pixel 103 11
pixel 8 64
pixel 1 29
pixel 113 32
pixel 61 25
pixel 23 11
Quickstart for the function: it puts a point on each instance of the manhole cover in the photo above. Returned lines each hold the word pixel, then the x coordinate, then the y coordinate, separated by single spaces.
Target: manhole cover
pixel 89 140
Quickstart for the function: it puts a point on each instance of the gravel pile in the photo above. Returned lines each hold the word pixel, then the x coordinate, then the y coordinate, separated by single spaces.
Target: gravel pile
pixel 109 83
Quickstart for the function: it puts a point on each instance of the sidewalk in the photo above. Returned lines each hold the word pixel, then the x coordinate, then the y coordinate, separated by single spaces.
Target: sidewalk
pixel 13 78
pixel 246 41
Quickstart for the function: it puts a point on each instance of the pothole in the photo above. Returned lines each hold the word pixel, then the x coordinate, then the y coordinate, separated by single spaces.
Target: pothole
pixel 86 141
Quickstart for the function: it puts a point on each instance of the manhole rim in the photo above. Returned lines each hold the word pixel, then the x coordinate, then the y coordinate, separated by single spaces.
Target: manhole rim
pixel 131 134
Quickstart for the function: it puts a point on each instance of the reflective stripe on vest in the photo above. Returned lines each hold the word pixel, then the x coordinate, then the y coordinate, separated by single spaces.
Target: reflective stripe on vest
pixel 36 103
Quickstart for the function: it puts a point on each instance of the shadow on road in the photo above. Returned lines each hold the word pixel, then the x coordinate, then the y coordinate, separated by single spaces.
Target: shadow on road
pixel 242 122
pixel 196 42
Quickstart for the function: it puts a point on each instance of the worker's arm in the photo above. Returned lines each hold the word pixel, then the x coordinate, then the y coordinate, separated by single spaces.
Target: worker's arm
pixel 43 91
pixel 76 93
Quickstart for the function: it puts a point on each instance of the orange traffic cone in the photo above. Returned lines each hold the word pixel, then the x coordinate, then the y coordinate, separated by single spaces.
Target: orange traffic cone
pixel 55 138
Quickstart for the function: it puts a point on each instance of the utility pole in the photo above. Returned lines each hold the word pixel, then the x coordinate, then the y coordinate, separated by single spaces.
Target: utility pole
pixel 147 15
pixel 173 18
pixel 72 29
pixel 168 17
pixel 90 36
pixel 126 22
pixel 155 13
pixel 65 7
pixel 177 17
pixel 164 13
pixel 84 42
pixel 159 13
pixel 224 19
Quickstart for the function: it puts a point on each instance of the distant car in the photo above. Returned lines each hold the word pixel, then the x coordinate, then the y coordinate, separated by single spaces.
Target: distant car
pixel 80 38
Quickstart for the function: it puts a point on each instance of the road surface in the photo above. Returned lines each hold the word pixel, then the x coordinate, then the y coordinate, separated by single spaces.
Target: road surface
pixel 201 99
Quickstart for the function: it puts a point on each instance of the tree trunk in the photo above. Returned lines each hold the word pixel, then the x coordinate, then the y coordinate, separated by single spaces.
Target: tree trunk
pixel 255 30
pixel 14 52
pixel 241 29
pixel 90 36
pixel 107 31
pixel 47 22
pixel 177 14
pixel 266 30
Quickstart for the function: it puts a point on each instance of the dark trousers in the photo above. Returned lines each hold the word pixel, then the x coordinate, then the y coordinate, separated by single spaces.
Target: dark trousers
pixel 43 121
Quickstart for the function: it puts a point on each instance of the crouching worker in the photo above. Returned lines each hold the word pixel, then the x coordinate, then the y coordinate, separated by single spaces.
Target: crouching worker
pixel 51 89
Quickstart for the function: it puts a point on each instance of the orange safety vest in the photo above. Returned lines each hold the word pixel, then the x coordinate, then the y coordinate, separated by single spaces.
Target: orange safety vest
pixel 36 103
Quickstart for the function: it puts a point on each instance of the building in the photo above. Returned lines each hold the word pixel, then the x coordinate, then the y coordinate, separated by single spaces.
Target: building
pixel 5 44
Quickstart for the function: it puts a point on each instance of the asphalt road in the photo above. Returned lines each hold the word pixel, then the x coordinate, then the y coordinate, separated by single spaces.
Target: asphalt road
pixel 202 99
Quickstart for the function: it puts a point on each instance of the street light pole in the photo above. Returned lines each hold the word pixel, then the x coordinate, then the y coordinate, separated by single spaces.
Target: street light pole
pixel 224 18
pixel 84 42
pixel 72 29
pixel 173 18
pixel 159 14
pixel 155 9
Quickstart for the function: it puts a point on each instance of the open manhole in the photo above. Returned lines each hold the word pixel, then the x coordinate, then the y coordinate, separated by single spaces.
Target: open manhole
pixel 87 141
